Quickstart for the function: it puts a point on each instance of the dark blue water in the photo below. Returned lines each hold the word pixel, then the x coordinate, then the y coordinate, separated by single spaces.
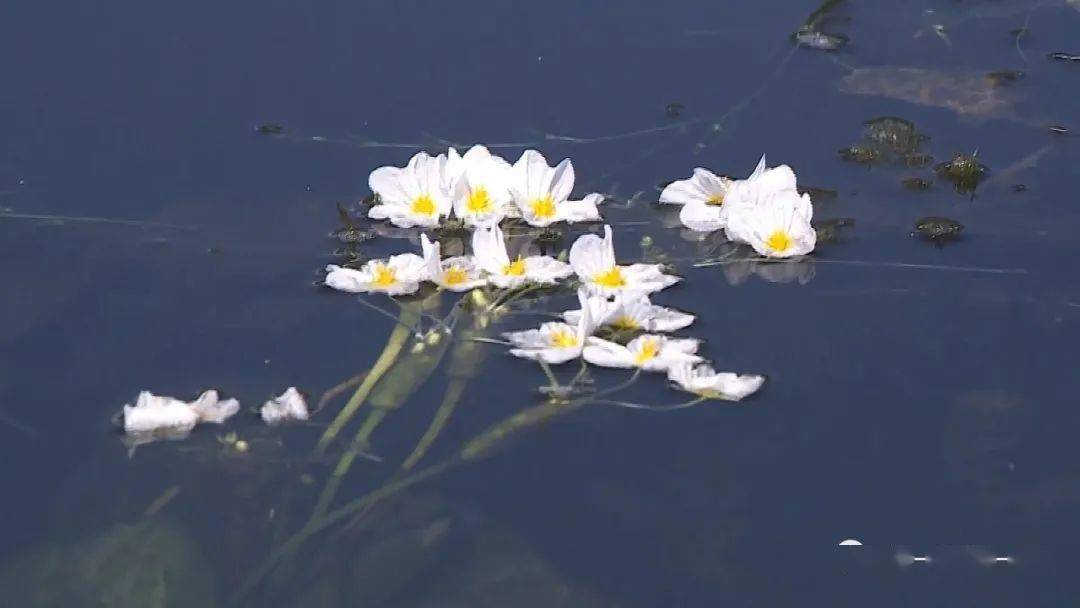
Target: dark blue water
pixel 919 397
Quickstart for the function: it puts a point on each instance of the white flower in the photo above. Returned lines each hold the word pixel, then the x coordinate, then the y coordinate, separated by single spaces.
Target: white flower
pixel 480 183
pixel 704 381
pixel 649 352
pixel 289 406
pixel 554 342
pixel 593 259
pixel 417 195
pixel 541 192
pixel 491 256
pixel 702 197
pixel 776 227
pixel 154 414
pixel 459 273
pixel 763 183
pixel 398 275
pixel 632 311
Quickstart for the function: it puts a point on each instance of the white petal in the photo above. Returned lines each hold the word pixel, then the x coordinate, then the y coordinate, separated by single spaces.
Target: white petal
pixel 530 338
pixel 584 210
pixel 388 183
pixel 290 405
pixel 562 181
pixel 668 320
pixel 607 354
pixel 346 279
pixel 552 356
pixel 735 387
pixel 701 217
pixel 683 192
pixel 546 269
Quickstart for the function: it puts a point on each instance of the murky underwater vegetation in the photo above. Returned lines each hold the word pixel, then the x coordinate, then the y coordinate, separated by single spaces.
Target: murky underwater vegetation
pixel 653 375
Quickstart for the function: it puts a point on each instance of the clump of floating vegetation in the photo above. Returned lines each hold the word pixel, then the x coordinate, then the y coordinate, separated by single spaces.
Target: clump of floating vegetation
pixel 937 230
pixel 888 139
pixel 964 171
pixel 811 34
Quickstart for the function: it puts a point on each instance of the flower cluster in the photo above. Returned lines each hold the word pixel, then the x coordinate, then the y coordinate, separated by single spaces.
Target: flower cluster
pixel 765 210
pixel 478 188
pixel 617 297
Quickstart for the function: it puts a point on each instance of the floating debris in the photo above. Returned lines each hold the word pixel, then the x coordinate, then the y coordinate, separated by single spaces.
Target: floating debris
pixel 818 194
pixel 818 40
pixel 1058 129
pixel 896 134
pixel 156 417
pixel 860 154
pixel 674 109
pixel 917 183
pixel 828 231
pixel 1063 57
pixel 270 128
pixel 885 139
pixel 968 94
pixel 1018 188
pixel 937 229
pixel 850 542
pixel 289 406
pixel 917 161
pixel 1004 77
pixel 964 171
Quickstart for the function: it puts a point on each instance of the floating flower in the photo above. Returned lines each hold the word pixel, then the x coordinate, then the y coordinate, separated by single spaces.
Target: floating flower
pixel 762 184
pixel 650 352
pixel 153 414
pixel 632 311
pixel 458 273
pixel 416 195
pixel 777 227
pixel 702 380
pixel 702 197
pixel 541 192
pixel 554 342
pixel 491 256
pixel 480 185
pixel 593 259
pixel 290 405
pixel 398 275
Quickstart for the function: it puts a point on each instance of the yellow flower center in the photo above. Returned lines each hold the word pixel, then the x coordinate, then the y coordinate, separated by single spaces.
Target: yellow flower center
pixel 612 278
pixel 779 241
pixel 479 201
pixel 648 351
pixel 625 323
pixel 564 338
pixel 455 275
pixel 515 268
pixel 423 205
pixel 716 199
pixel 384 276
pixel 543 208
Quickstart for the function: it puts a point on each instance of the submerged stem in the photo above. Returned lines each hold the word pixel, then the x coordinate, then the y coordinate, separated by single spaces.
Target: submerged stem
pixel 401 332
pixel 442 415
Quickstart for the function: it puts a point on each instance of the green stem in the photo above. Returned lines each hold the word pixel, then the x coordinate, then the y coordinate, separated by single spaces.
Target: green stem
pixel 442 415
pixel 401 332
pixel 360 444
